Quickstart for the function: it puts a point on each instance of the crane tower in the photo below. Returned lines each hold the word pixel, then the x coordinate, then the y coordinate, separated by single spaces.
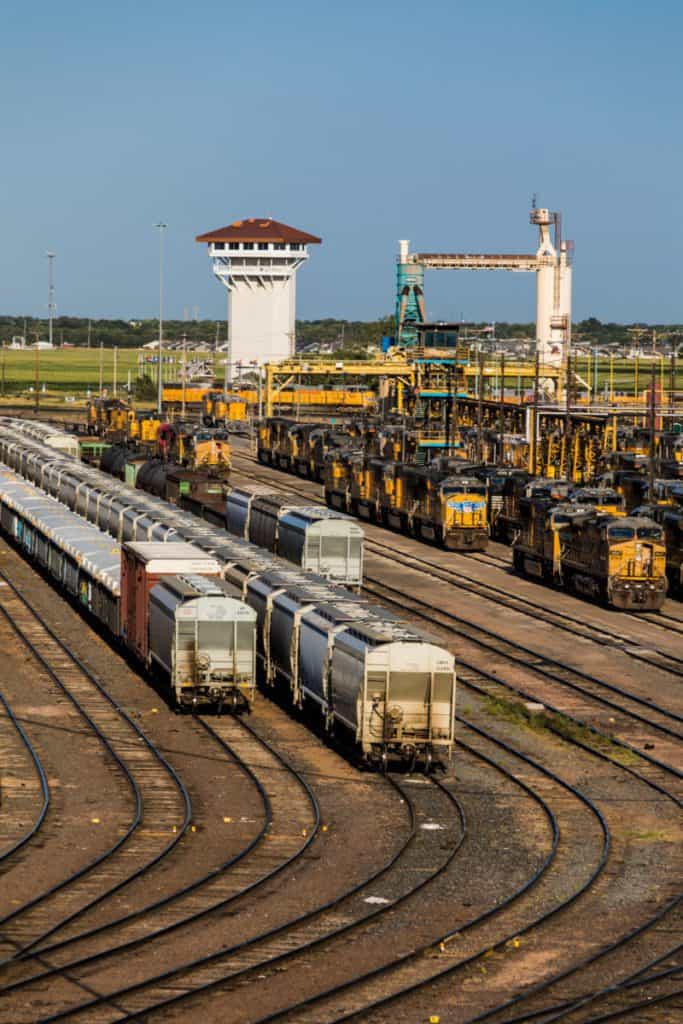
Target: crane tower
pixel 551 263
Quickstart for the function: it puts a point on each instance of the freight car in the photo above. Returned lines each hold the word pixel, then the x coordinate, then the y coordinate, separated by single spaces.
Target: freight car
pixel 48 435
pixel 397 673
pixel 191 632
pixel 311 536
pixel 619 560
pixel 371 677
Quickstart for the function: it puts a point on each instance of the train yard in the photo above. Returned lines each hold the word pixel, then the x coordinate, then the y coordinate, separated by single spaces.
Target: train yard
pixel 250 868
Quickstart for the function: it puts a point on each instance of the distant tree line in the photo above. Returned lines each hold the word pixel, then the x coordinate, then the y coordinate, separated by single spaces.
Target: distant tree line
pixel 348 338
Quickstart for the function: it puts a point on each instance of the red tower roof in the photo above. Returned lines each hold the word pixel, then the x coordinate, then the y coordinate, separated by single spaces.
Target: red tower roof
pixel 258 229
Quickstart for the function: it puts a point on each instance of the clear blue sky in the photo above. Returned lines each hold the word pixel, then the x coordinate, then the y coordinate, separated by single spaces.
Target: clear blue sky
pixel 360 122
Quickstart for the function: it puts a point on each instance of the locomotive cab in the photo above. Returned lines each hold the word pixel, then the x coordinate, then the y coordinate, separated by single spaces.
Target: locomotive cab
pixel 463 514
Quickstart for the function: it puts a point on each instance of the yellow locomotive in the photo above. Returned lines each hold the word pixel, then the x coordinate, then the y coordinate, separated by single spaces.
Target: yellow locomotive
pixel 432 502
pixel 620 560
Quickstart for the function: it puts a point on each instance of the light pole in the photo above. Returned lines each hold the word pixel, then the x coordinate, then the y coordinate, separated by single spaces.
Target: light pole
pixel 160 385
pixel 50 294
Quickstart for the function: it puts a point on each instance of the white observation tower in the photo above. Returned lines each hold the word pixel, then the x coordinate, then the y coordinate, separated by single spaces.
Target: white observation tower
pixel 257 260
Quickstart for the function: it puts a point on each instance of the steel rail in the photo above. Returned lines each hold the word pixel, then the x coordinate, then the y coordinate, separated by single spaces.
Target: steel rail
pixel 432 619
pixel 216 905
pixel 492 911
pixel 118 760
pixel 279 930
pixel 42 779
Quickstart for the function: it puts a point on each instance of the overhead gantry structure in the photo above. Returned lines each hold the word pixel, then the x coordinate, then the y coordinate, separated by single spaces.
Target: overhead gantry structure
pixel 551 263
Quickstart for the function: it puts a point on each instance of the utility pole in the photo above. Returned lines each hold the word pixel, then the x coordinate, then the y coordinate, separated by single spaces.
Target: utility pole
pixel 116 353
pixel 2 380
pixel 228 342
pixel 568 410
pixel 101 367
pixel 161 227
pixel 51 307
pixel 502 409
pixel 184 375
pixel 651 460
pixel 480 405
pixel 89 332
pixel 37 383
pixel 534 421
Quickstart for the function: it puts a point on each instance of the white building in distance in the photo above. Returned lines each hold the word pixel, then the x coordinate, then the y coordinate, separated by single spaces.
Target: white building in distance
pixel 257 260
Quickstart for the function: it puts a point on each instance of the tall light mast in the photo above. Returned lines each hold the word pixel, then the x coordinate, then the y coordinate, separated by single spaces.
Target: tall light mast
pixel 161 227
pixel 51 305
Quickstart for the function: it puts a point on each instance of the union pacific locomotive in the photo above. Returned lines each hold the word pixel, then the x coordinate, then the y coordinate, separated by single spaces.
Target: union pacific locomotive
pixel 440 502
pixel 619 560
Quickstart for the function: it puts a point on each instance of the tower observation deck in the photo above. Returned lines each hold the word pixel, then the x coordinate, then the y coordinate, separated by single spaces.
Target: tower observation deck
pixel 257 260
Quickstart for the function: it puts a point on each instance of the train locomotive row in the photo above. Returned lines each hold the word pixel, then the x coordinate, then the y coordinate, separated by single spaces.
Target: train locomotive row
pixel 427 502
pixel 362 671
pixel 574 537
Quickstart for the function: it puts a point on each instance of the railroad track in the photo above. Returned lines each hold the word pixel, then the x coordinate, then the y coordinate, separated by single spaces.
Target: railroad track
pixel 141 768
pixel 266 952
pixel 290 822
pixel 325 1009
pixel 406 962
pixel 561 620
pixel 24 785
pixel 659 727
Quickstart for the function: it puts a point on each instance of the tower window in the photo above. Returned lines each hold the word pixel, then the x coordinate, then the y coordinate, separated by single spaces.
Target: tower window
pixel 219 245
pixel 248 245
pixel 233 245
pixel 279 246
pixel 263 245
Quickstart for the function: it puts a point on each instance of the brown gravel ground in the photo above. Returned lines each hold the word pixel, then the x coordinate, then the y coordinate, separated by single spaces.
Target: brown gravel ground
pixel 506 839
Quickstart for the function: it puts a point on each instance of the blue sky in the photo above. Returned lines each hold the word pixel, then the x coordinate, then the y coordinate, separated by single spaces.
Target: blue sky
pixel 361 122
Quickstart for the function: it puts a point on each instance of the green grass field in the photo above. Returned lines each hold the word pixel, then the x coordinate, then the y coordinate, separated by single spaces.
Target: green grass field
pixel 74 371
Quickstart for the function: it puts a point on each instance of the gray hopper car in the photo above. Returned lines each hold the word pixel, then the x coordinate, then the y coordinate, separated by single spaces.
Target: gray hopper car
pixel 204 640
pixel 316 538
pixel 44 433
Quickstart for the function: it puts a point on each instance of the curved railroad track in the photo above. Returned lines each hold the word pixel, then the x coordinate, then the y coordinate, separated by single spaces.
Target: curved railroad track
pixel 140 767
pixel 25 790
pixel 266 952
pixel 290 823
